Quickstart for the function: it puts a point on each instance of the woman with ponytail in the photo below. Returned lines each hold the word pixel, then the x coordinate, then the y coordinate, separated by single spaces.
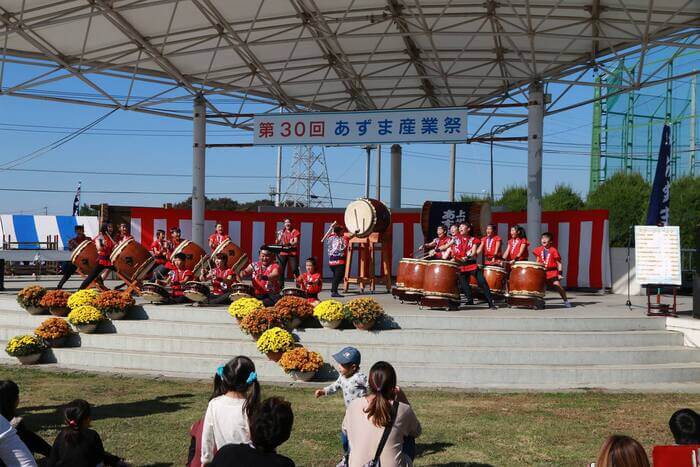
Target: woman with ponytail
pixel 227 420
pixel 77 445
pixel 384 414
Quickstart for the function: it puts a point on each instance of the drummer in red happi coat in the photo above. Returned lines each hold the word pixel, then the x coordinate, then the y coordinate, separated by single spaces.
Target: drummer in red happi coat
pixel 311 281
pixel 289 238
pixel 265 276
pixel 161 251
pixel 490 246
pixel 218 237
pixel 549 257
pixel 220 278
pixel 104 243
pixel 517 248
pixel 177 278
pixel 436 249
pixel 465 256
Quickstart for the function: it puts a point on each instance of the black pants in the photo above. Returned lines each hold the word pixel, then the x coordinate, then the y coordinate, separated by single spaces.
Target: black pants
pixel 94 275
pixel 338 276
pixel 268 299
pixel 467 291
pixel 293 263
pixel 68 270
pixel 160 273
pixel 219 299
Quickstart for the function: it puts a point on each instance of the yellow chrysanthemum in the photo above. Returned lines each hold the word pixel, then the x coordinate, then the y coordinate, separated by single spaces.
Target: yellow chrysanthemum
pixel 275 340
pixel 243 306
pixel 83 298
pixel 85 315
pixel 329 310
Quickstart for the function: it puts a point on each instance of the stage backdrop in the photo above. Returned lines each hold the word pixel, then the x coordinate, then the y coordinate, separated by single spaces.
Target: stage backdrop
pixel 24 228
pixel 581 236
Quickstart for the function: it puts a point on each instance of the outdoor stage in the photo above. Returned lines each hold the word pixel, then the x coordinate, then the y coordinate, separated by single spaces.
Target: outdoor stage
pixel 598 344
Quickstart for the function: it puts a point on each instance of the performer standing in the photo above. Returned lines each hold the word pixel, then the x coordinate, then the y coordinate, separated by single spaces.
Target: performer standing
pixel 311 281
pixel 517 249
pixel 491 247
pixel 217 237
pixel 68 267
pixel 337 246
pixel 175 238
pixel 160 249
pixel 221 279
pixel 123 235
pixel 288 237
pixel 105 245
pixel 438 246
pixel 548 256
pixel 265 275
pixel 465 255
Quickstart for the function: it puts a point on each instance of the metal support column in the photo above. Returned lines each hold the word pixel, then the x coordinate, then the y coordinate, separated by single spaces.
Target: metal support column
pixel 198 169
pixel 453 163
pixel 278 177
pixel 693 110
pixel 535 126
pixel 395 201
pixel 378 167
pixel 368 148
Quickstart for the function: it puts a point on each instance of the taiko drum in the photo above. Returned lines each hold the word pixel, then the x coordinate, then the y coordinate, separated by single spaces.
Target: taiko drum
pixel 527 279
pixel 365 216
pixel 236 257
pixel 440 280
pixel 132 260
pixel 84 257
pixel 496 279
pixel 193 254
pixel 412 273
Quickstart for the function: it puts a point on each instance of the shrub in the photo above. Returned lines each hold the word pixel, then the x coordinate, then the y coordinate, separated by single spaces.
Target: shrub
pixel 364 310
pixel 330 310
pixel 55 299
pixel 275 340
pixel 113 301
pixel 296 307
pixel 563 198
pixel 31 296
pixel 513 198
pixel 87 297
pixel 260 320
pixel 626 197
pixel 53 328
pixel 244 306
pixel 300 359
pixel 19 346
pixel 85 314
pixel 685 208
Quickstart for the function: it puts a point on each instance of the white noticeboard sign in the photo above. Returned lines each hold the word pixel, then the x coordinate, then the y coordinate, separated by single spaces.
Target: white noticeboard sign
pixel 362 127
pixel 658 254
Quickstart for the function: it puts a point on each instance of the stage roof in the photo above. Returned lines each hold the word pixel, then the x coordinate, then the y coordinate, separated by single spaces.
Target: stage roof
pixel 327 54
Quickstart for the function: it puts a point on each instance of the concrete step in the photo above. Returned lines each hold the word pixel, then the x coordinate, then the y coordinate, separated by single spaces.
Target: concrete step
pixel 435 374
pixel 411 337
pixel 393 353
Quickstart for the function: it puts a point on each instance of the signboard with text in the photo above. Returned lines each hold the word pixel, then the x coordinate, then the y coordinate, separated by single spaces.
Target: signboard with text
pixel 657 254
pixel 362 127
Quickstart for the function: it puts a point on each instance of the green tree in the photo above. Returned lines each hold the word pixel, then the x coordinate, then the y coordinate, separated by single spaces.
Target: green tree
pixel 626 197
pixel 513 198
pixel 563 198
pixel 225 204
pixel 86 210
pixel 685 208
pixel 470 198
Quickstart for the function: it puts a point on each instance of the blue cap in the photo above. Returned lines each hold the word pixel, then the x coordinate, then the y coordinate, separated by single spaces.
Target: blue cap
pixel 347 356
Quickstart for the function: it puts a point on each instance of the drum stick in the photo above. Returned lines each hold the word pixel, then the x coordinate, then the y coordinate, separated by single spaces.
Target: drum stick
pixel 328 232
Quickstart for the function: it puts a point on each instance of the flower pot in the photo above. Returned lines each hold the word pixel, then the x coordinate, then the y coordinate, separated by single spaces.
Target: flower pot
pixel 29 359
pixel 35 310
pixel 116 315
pixel 275 356
pixel 58 342
pixel 87 328
pixel 364 326
pixel 333 324
pixel 60 311
pixel 302 375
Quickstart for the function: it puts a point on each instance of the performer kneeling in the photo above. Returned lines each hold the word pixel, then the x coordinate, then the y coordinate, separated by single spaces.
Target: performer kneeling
pixel 311 281
pixel 221 279
pixel 68 267
pixel 265 275
pixel 160 249
pixel 177 278
pixel 465 255
pixel 105 245
pixel 548 256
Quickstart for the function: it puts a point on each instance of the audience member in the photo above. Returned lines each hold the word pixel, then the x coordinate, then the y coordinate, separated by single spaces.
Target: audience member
pixel 77 445
pixel 382 425
pixel 622 451
pixel 270 426
pixel 195 451
pixel 228 415
pixel 13 452
pixel 685 426
pixel 9 401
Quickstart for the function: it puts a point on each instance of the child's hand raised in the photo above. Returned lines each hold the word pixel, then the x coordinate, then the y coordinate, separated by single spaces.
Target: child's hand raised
pixel 319 393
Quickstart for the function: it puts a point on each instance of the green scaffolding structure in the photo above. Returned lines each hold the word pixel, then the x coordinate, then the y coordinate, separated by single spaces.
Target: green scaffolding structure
pixel 626 127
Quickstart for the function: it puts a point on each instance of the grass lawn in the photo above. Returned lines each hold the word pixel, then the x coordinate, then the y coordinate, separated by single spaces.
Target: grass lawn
pixel 147 420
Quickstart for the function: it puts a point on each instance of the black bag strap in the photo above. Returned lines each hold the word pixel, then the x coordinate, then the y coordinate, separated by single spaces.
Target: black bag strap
pixel 387 430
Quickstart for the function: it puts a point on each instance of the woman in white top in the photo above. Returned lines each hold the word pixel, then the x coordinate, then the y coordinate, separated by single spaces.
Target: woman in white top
pixel 226 420
pixel 367 417
pixel 13 451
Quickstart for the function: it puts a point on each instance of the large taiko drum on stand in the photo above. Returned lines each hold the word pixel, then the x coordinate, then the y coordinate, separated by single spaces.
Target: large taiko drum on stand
pixel 527 279
pixel 237 258
pixel 84 257
pixel 478 213
pixel 440 280
pixel 132 260
pixel 194 254
pixel 496 279
pixel 365 216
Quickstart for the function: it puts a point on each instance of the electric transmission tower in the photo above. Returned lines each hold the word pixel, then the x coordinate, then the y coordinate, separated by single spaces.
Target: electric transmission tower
pixel 309 185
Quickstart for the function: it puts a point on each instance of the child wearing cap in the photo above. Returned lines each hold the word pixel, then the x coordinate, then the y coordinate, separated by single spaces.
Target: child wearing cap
pixel 351 380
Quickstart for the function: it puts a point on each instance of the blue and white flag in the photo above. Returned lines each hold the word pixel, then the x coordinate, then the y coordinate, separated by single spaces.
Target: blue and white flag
pixel 659 209
pixel 76 201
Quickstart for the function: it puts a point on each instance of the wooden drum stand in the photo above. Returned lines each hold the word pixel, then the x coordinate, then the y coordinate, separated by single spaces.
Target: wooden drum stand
pixel 368 248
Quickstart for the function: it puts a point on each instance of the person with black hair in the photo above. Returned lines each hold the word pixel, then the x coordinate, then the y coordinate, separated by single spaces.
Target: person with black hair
pixel 77 445
pixel 195 452
pixel 270 426
pixel 68 267
pixel 9 401
pixel 177 278
pixel 265 276
pixel 337 248
pixel 311 281
pixel 13 452
pixel 227 420
pixel 685 426
pixel 105 244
